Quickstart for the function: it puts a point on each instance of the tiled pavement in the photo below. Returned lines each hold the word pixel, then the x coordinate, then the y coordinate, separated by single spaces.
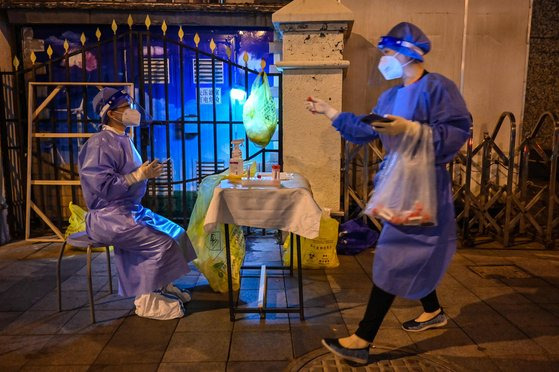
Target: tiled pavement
pixel 496 324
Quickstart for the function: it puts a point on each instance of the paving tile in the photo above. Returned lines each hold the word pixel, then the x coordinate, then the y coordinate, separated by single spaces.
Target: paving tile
pixel 547 337
pixel 106 321
pixel 254 283
pixel 205 320
pixel 7 281
pixel 15 351
pixel 79 283
pixel 314 294
pixel 348 281
pixel 352 315
pixel 136 367
pixel 106 301
pixel 468 363
pixel 63 368
pixel 348 264
pixel 252 322
pixel 446 341
pixel 539 295
pixel 7 317
pixel 503 341
pixel 192 367
pixel 138 340
pixel 257 366
pixel 260 346
pixel 527 362
pixel 318 315
pixel 476 315
pixel 526 315
pixel 70 349
pixel 38 323
pixel 23 294
pixel 307 338
pixel 274 298
pixel 198 347
pixel 71 300
pixel 353 296
pixel 392 338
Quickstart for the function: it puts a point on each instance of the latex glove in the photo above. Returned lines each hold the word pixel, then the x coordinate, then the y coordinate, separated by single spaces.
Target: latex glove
pixel 145 171
pixel 398 125
pixel 318 106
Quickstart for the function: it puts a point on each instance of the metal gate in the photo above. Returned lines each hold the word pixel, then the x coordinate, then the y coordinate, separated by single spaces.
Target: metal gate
pixel 194 118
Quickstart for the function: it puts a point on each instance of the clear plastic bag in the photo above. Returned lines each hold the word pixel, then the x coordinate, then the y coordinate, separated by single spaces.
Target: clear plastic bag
pixel 260 117
pixel 405 193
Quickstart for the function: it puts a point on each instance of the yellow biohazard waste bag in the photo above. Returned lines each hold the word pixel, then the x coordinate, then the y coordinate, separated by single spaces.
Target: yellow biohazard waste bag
pixel 318 253
pixel 260 117
pixel 210 248
pixel 76 220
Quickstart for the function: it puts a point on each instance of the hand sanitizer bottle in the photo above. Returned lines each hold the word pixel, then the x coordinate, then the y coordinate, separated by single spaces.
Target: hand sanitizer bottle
pixel 236 161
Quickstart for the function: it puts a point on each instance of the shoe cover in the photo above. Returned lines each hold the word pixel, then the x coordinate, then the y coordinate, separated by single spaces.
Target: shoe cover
pixel 160 306
pixel 183 295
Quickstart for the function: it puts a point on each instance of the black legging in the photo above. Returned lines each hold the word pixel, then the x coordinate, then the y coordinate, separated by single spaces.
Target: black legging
pixel 378 306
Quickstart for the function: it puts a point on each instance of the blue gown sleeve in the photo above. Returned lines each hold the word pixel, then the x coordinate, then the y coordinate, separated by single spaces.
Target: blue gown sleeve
pixel 353 129
pixel 450 120
pixel 99 175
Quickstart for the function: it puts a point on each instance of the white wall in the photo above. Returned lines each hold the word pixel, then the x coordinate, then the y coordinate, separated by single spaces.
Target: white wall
pixel 494 62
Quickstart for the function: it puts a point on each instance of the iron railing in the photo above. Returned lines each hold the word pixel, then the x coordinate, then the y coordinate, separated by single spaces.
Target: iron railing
pixel 160 67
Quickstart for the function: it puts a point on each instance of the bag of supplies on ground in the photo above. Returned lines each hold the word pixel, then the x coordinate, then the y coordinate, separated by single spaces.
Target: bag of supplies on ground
pixel 405 193
pixel 317 253
pixel 260 117
pixel 210 248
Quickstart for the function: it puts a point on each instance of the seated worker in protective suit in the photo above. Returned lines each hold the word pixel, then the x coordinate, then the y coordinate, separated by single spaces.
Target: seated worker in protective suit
pixel 150 251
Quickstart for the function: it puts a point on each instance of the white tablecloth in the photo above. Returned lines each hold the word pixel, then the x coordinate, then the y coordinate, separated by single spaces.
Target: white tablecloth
pixel 290 207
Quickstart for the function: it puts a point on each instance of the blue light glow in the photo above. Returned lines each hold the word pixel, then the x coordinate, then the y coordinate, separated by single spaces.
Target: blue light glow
pixel 238 95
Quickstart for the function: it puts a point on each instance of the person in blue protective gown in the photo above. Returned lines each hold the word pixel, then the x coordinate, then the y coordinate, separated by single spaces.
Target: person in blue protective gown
pixel 409 260
pixel 150 251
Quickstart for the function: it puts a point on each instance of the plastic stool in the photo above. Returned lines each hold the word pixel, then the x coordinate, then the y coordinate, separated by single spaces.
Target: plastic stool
pixel 81 240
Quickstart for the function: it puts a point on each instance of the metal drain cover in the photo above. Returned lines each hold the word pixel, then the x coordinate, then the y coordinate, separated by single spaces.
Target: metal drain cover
pixel 380 360
pixel 500 272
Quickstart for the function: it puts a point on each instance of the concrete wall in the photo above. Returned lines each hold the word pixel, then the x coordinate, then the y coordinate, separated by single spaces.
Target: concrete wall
pixel 491 72
pixel 542 88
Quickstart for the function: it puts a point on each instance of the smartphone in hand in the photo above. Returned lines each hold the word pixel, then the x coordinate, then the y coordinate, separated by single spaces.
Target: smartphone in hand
pixel 372 117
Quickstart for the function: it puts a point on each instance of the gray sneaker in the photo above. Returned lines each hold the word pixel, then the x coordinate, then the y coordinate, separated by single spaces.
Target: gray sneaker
pixel 438 321
pixel 355 355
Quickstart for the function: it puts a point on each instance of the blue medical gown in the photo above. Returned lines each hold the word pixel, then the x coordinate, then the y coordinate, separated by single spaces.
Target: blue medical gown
pixel 150 250
pixel 411 260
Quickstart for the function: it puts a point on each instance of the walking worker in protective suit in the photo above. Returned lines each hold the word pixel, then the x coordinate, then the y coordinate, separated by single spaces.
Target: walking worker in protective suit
pixel 150 251
pixel 409 260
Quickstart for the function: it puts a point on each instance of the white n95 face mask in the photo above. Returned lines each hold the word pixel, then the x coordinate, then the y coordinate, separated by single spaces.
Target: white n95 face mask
pixel 131 118
pixel 390 67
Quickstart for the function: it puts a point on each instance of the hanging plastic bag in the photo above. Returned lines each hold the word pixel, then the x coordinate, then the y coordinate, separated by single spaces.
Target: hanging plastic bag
pixel 355 236
pixel 260 117
pixel 317 253
pixel 210 248
pixel 76 220
pixel 405 193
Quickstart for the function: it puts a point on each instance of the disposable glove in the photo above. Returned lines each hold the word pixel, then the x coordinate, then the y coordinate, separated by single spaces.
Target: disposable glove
pixel 318 106
pixel 144 172
pixel 398 125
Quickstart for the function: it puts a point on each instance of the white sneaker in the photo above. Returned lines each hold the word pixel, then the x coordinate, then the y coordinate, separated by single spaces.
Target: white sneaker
pixel 160 306
pixel 183 295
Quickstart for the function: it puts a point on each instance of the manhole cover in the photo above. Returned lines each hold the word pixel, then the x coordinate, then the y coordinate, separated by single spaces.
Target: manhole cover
pixel 379 360
pixel 500 272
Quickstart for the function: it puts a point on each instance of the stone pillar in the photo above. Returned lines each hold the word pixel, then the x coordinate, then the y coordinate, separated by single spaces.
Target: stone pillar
pixel 313 34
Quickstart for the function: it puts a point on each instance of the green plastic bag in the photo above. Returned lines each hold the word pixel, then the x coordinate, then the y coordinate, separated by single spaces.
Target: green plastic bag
pixel 317 253
pixel 76 220
pixel 210 248
pixel 260 117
